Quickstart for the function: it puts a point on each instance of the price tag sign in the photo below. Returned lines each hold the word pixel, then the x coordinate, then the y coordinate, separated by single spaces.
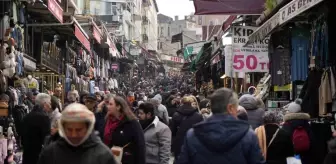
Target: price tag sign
pixel 252 58
pixel 250 63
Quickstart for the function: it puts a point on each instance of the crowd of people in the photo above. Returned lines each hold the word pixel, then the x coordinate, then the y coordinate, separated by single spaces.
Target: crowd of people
pixel 152 127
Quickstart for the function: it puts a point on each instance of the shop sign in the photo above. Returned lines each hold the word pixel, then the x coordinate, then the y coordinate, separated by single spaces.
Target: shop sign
pixel 96 32
pixel 56 10
pixel 295 8
pixel 176 59
pixel 82 38
pixel 29 64
pixel 215 59
pixel 228 63
pixel 264 30
pixel 251 58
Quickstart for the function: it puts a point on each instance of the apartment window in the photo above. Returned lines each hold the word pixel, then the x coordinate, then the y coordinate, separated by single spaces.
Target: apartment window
pixel 211 23
pixel 114 9
pixel 158 30
pixel 168 31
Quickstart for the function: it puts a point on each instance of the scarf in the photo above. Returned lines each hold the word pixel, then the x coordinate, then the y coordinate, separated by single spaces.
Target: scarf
pixel 111 125
pixel 145 123
pixel 261 134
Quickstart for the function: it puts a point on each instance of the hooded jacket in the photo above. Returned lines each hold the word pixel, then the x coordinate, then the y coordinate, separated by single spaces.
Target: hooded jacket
pixel 221 139
pixel 89 150
pixel 183 119
pixel 161 112
pixel 254 113
pixel 282 145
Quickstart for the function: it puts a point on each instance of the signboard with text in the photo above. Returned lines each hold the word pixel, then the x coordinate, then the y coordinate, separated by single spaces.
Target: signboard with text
pixel 56 10
pixel 294 8
pixel 251 58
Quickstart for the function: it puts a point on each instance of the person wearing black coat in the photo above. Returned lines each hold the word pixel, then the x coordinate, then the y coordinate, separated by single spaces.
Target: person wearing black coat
pixel 36 126
pixel 123 129
pixel 184 118
pixel 282 145
pixel 78 142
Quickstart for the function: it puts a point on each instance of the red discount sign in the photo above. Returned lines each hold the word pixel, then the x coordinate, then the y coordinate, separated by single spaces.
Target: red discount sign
pixel 250 63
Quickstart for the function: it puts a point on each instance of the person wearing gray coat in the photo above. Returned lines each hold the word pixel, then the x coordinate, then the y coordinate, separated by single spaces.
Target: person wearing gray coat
pixel 157 135
pixel 254 112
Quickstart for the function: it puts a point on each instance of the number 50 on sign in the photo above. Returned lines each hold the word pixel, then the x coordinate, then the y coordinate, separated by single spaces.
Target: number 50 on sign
pixel 250 63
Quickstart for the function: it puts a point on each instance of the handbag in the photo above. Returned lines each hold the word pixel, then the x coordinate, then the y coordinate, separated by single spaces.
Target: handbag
pixel 117 152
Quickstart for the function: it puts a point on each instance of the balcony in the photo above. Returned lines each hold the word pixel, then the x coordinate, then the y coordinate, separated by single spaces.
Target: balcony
pixel 144 38
pixel 146 3
pixel 145 19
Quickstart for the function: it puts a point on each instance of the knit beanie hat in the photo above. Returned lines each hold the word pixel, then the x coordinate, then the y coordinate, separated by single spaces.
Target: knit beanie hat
pixel 294 107
pixel 76 112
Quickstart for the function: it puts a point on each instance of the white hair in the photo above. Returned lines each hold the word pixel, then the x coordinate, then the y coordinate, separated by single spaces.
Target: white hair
pixel 42 98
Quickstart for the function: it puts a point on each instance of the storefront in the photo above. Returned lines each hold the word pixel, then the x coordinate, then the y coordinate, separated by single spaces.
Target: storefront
pixel 298 49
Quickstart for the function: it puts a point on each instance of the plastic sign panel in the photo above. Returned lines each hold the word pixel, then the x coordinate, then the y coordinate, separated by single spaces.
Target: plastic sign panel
pixel 294 8
pixel 251 58
pixel 56 10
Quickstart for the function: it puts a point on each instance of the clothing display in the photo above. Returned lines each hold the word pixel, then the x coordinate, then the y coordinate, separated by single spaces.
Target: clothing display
pixel 9 63
pixel 300 53
pixel 324 94
pixel 279 57
pixel 31 83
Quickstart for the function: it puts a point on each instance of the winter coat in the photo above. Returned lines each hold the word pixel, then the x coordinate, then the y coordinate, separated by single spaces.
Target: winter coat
pixel 91 151
pixel 331 156
pixel 158 142
pixel 100 122
pixel 282 145
pixel 221 139
pixel 255 114
pixel 35 127
pixel 183 119
pixel 161 111
pixel 129 132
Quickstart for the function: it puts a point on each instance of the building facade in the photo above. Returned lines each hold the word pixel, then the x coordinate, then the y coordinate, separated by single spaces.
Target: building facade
pixel 168 27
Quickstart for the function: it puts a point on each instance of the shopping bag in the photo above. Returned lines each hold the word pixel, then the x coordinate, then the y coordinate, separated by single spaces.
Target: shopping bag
pixel 117 152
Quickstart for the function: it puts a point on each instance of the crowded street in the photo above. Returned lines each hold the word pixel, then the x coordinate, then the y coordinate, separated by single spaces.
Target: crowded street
pixel 167 82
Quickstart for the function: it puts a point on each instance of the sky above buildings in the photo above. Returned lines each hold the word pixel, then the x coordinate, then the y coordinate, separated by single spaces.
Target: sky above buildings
pixel 175 7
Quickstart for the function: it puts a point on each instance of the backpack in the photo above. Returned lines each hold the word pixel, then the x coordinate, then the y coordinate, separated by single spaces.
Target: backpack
pixel 300 139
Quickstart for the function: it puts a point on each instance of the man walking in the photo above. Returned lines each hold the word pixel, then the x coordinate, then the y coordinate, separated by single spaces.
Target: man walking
pixel 222 138
pixel 157 135
pixel 36 126
pixel 79 144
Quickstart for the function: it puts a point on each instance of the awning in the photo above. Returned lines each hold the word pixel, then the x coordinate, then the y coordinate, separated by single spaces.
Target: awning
pixel 264 30
pixel 112 48
pixel 294 8
pixel 96 32
pixel 56 10
pixel 81 35
pixel 228 7
pixel 226 25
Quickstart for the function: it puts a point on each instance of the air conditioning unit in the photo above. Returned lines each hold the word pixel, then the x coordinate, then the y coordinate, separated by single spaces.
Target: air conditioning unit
pixel 116 18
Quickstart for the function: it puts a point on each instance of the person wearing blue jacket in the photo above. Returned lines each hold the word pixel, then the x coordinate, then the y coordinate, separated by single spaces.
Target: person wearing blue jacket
pixel 222 138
